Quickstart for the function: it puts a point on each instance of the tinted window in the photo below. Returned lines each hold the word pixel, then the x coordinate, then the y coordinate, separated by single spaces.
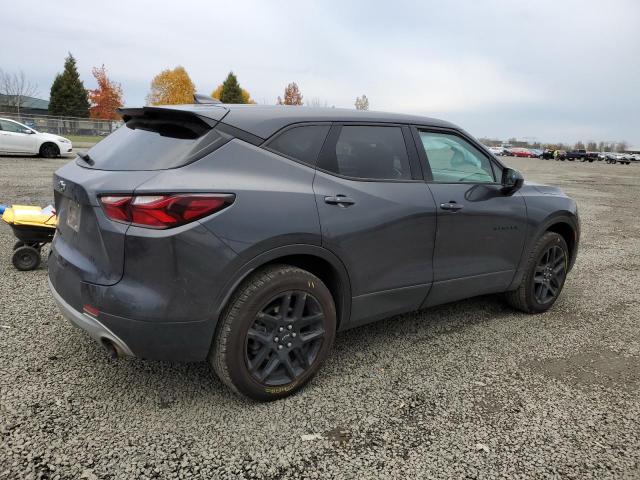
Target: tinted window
pixel 154 144
pixel 370 152
pixel 11 127
pixel 454 160
pixel 301 143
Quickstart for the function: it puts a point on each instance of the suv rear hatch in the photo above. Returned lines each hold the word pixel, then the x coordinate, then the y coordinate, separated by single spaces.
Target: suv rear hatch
pixel 88 246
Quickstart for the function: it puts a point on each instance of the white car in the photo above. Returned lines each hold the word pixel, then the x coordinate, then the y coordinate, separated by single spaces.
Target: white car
pixel 18 138
pixel 497 150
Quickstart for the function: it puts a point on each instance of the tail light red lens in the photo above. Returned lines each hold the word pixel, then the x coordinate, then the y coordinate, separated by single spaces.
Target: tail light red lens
pixel 163 211
pixel 116 207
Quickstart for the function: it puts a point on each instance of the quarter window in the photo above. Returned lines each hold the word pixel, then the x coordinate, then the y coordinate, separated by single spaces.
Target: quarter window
pixel 370 152
pixel 301 143
pixel 454 160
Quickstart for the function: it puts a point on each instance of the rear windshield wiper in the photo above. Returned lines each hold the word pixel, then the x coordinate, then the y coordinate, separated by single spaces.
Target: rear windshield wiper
pixel 85 156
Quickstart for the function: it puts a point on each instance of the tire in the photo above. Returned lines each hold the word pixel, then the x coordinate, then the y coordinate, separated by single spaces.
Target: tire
pixel 26 258
pixel 49 150
pixel 526 297
pixel 20 243
pixel 286 352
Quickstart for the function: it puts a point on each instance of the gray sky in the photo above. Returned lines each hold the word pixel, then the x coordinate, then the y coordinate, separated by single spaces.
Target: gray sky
pixel 556 70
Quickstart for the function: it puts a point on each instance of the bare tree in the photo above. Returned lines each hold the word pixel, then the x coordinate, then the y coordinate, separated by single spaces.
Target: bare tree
pixel 362 103
pixel 621 146
pixel 316 102
pixel 15 87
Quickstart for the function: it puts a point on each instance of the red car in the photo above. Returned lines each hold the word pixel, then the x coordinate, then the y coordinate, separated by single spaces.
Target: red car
pixel 522 152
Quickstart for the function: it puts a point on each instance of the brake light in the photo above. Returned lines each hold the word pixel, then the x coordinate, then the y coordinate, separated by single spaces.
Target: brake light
pixel 163 211
pixel 116 208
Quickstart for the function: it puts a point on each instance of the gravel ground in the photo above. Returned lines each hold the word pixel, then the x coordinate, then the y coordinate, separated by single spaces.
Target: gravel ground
pixel 467 390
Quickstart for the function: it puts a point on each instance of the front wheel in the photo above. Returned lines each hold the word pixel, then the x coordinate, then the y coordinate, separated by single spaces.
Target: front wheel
pixel 544 277
pixel 275 334
pixel 49 150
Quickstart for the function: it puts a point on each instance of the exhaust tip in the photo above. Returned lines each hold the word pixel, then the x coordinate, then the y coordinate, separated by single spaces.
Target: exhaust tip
pixel 110 348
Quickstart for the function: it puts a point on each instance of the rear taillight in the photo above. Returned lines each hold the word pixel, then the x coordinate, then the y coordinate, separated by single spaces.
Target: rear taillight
pixel 163 211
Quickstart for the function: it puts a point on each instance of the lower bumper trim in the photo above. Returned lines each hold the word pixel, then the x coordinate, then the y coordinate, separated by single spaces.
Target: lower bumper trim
pixel 89 324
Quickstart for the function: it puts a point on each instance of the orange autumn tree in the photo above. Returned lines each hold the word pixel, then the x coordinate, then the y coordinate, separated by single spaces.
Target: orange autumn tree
pixel 107 98
pixel 171 87
pixel 292 95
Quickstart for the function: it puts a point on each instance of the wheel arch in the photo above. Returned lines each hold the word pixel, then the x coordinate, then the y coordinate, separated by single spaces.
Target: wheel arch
pixel 564 223
pixel 568 233
pixel 312 258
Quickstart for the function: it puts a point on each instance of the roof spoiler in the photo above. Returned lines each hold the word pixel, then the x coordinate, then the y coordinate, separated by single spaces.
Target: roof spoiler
pixel 164 112
pixel 202 99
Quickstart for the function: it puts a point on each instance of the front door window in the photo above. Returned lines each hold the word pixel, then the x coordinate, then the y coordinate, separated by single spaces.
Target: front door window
pixel 454 160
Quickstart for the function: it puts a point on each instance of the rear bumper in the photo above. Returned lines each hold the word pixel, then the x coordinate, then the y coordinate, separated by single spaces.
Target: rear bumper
pixel 171 341
pixel 89 324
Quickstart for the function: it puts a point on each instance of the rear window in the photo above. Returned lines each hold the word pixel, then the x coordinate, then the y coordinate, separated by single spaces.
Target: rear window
pixel 154 143
pixel 370 152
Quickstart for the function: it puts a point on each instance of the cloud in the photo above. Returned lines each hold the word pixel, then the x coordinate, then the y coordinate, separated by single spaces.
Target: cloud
pixel 565 69
pixel 454 85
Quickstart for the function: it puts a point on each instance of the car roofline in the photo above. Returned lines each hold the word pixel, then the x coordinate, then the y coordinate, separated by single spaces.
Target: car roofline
pixel 265 120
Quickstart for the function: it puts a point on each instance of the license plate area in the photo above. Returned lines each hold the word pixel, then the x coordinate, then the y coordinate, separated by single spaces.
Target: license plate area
pixel 73 216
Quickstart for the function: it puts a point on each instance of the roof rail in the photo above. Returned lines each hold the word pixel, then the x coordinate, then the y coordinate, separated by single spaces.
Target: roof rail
pixel 202 99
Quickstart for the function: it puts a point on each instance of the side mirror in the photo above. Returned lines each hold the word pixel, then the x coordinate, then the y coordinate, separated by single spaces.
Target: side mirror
pixel 512 180
pixel 28 131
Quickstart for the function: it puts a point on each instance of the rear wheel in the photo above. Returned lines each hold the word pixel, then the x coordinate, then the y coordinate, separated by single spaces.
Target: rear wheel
pixel 275 334
pixel 26 258
pixel 49 150
pixel 544 277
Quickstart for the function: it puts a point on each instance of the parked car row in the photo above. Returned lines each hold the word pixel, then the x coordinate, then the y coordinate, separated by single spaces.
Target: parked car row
pixel 578 154
pixel 626 158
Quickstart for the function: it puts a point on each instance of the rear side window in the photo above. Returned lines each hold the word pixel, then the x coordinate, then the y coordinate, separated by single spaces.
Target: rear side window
pixel 155 143
pixel 370 152
pixel 301 143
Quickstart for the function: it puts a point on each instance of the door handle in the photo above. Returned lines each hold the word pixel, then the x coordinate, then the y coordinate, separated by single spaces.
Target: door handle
pixel 340 200
pixel 452 206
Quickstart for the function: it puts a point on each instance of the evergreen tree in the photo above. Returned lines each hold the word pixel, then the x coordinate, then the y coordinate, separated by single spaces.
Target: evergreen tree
pixel 68 96
pixel 231 91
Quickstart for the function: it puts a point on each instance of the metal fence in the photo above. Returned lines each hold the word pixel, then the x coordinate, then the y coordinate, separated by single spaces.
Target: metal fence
pixel 65 125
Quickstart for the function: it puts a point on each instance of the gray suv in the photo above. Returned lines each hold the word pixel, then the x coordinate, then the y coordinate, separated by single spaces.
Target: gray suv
pixel 249 235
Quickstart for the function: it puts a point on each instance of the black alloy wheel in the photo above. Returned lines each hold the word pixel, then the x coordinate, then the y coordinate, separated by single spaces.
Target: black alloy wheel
pixel 285 338
pixel 545 272
pixel 550 273
pixel 275 333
